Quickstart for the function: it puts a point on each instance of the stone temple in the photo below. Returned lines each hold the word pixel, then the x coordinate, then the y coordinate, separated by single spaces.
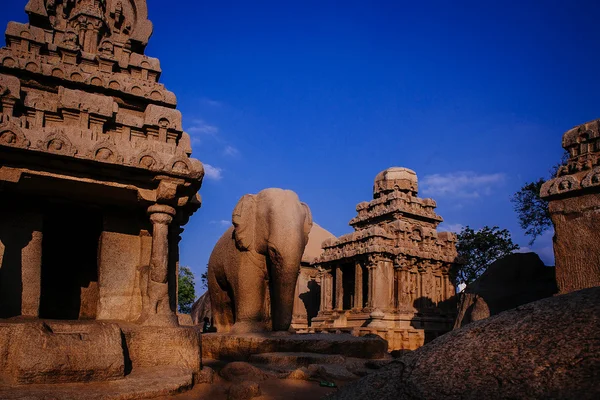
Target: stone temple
pixel 391 276
pixel 96 181
pixel 574 204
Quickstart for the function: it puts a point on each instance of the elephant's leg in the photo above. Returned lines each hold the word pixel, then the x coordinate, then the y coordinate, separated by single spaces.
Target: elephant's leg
pixel 221 304
pixel 249 295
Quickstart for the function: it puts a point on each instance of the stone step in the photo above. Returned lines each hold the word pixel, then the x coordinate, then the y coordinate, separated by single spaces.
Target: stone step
pixel 299 359
pixel 140 384
pixel 239 347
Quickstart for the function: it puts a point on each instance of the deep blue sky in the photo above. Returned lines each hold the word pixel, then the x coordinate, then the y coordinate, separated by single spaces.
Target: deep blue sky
pixel 319 96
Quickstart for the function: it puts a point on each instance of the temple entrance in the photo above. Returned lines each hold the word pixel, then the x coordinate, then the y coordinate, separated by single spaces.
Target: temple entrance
pixel 348 277
pixel 69 284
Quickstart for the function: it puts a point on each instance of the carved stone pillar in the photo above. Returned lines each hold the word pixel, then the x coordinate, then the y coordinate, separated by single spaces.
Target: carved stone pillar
pixel 382 282
pixel 370 287
pixel 20 262
pixel 322 281
pixel 403 288
pixel 449 289
pixel 358 285
pixel 326 291
pixel 339 288
pixel 329 288
pixel 159 312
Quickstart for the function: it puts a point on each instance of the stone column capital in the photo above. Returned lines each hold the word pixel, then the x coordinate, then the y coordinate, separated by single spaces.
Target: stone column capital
pixel 161 214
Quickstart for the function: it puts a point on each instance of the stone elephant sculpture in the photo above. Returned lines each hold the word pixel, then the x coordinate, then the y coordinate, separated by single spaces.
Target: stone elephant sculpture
pixel 258 259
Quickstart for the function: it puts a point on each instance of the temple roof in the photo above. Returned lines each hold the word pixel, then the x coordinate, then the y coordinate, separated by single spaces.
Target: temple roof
pixel 396 223
pixel 395 178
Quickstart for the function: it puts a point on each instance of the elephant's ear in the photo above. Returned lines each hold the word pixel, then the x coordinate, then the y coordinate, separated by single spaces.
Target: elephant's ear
pixel 244 219
pixel 308 222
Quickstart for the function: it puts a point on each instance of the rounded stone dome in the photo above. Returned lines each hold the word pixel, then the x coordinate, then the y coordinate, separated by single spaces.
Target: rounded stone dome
pixel 396 178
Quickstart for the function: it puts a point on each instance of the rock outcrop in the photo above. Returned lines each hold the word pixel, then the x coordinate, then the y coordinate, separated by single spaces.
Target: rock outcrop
pixel 201 309
pixel 546 349
pixel 514 280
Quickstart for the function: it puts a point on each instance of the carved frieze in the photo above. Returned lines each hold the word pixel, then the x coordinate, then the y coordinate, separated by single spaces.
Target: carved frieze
pixel 75 82
pixel 581 170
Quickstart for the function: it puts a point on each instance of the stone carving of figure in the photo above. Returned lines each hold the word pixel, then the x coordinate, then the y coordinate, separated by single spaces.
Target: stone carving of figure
pixel 416 235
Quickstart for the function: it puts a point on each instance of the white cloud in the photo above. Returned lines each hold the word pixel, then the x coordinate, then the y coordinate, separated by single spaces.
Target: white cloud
pixel 222 222
pixel 201 127
pixel 465 184
pixel 231 151
pixel 211 172
pixel 454 228
pixel 211 102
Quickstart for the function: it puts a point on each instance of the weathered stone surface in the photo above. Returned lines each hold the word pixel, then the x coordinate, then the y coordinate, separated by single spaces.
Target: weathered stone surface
pixel 576 236
pixel 206 375
pixel 166 346
pixel 253 268
pixel 240 371
pixel 57 352
pixel 516 279
pixel 296 359
pixel 241 347
pixel 574 205
pixel 185 319
pixel 302 374
pixel 331 372
pixel 546 349
pixel 392 273
pixel 243 391
pixel 140 384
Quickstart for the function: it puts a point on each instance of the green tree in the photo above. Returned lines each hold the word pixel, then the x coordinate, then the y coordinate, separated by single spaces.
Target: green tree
pixel 204 280
pixel 531 209
pixel 478 249
pixel 187 292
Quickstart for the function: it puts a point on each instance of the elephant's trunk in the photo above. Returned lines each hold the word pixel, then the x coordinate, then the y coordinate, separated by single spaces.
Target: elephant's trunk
pixel 283 277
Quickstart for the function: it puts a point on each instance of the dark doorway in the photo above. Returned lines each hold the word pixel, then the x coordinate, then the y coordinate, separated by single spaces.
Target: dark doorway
pixel 348 277
pixel 70 263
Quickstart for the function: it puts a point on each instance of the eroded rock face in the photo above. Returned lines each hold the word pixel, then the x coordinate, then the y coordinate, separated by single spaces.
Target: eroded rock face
pixel 545 349
pixel 514 280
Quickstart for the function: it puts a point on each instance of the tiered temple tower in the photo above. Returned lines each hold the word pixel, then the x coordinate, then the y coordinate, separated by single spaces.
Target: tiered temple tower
pixel 391 275
pixel 96 181
pixel 96 177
